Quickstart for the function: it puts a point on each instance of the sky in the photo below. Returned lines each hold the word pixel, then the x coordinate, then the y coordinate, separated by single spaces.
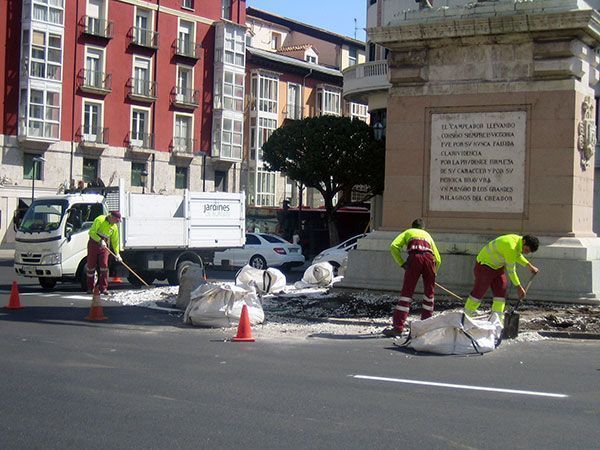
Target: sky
pixel 332 15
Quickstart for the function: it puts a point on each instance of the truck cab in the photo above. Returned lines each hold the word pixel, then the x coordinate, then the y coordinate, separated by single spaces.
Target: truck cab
pixel 51 240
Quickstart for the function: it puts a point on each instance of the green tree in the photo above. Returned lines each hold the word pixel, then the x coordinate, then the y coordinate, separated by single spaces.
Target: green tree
pixel 331 154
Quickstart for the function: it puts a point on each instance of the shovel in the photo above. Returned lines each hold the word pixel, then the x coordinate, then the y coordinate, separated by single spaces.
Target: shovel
pixel 511 319
pixel 129 268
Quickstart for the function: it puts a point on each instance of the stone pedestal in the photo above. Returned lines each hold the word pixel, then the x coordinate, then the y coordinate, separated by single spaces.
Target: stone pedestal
pixel 491 130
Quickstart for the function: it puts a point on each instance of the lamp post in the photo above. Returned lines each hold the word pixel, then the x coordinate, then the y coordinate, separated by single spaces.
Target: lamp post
pixel 143 179
pixel 204 154
pixel 36 161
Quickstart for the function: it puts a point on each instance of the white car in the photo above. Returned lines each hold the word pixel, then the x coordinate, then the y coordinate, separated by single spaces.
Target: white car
pixel 338 255
pixel 261 251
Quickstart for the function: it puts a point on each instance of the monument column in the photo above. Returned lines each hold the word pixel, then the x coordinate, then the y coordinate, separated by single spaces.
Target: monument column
pixel 491 130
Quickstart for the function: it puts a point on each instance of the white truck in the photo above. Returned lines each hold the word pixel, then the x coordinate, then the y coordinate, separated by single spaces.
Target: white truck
pixel 160 235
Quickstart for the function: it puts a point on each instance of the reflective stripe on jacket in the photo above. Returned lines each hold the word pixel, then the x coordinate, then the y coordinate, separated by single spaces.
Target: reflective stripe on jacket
pixel 103 229
pixel 504 251
pixel 403 240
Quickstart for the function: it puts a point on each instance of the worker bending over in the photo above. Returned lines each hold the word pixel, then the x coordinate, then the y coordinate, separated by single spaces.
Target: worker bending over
pixel 104 230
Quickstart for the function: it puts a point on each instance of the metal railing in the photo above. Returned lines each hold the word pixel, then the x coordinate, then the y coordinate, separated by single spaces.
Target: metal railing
pixel 94 136
pixel 185 96
pixel 95 26
pixel 140 140
pixel 142 89
pixel 187 48
pixel 144 37
pixel 94 81
pixel 183 145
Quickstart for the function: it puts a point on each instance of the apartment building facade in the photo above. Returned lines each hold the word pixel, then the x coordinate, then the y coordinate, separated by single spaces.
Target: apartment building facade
pixel 123 89
pixel 294 71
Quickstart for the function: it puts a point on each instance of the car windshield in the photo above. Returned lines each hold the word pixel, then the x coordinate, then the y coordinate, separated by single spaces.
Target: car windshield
pixel 273 239
pixel 43 215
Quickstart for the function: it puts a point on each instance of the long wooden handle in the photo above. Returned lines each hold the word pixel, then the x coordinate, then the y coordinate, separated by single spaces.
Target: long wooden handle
pixel 128 268
pixel 449 292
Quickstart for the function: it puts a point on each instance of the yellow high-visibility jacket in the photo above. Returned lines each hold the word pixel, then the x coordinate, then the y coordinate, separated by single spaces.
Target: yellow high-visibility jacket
pixel 405 237
pixel 504 251
pixel 103 229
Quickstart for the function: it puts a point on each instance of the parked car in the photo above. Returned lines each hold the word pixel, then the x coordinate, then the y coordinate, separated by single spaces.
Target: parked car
pixel 338 255
pixel 261 251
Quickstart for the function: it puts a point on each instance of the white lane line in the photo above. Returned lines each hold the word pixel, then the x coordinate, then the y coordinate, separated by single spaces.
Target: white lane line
pixel 78 297
pixel 461 386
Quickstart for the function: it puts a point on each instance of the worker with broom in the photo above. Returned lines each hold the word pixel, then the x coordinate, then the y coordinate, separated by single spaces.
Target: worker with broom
pixel 423 259
pixel 104 231
pixel 503 253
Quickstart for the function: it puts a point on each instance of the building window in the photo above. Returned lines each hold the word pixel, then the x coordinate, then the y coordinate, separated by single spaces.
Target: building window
pixel 294 102
pixel 182 140
pixel 185 38
pixel 359 111
pixel 92 121
pixel 311 59
pixel 231 142
pixel 233 91
pixel 90 169
pixel 31 167
pixel 141 77
pixel 372 48
pixel 94 68
pixel 43 113
pixel 275 40
pixel 265 188
pixel 328 101
pixel 46 54
pixel 185 84
pixel 265 92
pixel 48 11
pixel 140 136
pixel 220 181
pixel 235 47
pixel 261 135
pixel 181 177
pixel 143 34
pixel 352 56
pixel 226 9
pixel 189 4
pixel 136 173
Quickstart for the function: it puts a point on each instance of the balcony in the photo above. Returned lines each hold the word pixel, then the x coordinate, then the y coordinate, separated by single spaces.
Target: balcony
pixel 185 98
pixel 143 37
pixel 37 133
pixel 293 112
pixel 187 48
pixel 93 26
pixel 141 90
pixel 94 139
pixel 361 80
pixel 140 143
pixel 183 146
pixel 94 82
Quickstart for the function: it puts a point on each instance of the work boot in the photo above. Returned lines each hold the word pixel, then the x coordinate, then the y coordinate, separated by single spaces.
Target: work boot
pixel 392 332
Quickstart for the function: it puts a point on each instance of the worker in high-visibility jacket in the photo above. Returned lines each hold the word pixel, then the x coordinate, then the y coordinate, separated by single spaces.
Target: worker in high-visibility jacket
pixel 423 260
pixel 104 231
pixel 503 253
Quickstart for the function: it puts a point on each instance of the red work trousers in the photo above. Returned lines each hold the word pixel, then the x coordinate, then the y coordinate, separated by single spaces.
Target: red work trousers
pixel 485 277
pixel 418 264
pixel 97 256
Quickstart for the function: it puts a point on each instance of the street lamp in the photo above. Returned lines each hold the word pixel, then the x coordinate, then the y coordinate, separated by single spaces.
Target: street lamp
pixel 143 179
pixel 204 154
pixel 36 161
pixel 378 131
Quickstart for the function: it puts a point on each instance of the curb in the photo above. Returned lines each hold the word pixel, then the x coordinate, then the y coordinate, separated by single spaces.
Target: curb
pixel 569 334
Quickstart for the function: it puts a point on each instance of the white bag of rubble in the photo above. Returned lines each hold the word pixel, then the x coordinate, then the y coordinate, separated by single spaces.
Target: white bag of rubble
pixel 265 281
pixel 220 306
pixel 317 275
pixel 191 279
pixel 454 333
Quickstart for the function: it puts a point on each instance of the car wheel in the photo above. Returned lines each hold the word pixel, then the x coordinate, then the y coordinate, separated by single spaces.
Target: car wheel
pixel 258 262
pixel 46 283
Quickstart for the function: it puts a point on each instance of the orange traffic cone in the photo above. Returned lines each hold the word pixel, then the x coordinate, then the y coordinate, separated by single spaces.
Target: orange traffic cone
pixel 244 332
pixel 96 312
pixel 14 302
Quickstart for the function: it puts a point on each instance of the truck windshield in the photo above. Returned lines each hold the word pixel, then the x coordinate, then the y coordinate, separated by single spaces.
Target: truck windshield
pixel 43 215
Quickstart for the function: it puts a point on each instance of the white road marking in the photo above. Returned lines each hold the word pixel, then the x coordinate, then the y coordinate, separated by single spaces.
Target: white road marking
pixel 461 386
pixel 78 297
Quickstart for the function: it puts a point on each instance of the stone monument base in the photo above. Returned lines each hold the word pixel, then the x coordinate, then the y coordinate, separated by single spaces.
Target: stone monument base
pixel 569 266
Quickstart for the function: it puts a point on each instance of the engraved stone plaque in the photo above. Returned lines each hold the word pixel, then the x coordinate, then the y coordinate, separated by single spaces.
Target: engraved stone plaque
pixel 478 162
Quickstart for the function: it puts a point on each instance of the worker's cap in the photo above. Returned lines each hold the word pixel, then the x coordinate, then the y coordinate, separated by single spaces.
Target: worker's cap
pixel 116 215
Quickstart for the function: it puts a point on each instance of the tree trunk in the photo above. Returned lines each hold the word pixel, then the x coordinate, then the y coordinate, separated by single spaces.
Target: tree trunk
pixel 334 236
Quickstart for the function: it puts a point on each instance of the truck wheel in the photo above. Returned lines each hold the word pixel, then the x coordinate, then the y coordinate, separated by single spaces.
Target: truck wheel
pixel 46 283
pixel 175 276
pixel 258 262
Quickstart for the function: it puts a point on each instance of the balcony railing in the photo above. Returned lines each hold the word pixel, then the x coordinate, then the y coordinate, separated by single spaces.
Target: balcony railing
pixel 293 112
pixel 139 140
pixel 95 137
pixel 94 82
pixel 184 146
pixel 94 26
pixel 361 79
pixel 187 48
pixel 143 37
pixel 142 90
pixel 185 97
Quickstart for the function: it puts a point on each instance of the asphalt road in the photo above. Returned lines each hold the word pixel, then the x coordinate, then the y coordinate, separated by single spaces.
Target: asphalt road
pixel 143 380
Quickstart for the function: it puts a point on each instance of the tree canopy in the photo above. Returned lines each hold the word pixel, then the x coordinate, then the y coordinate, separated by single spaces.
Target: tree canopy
pixel 331 154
